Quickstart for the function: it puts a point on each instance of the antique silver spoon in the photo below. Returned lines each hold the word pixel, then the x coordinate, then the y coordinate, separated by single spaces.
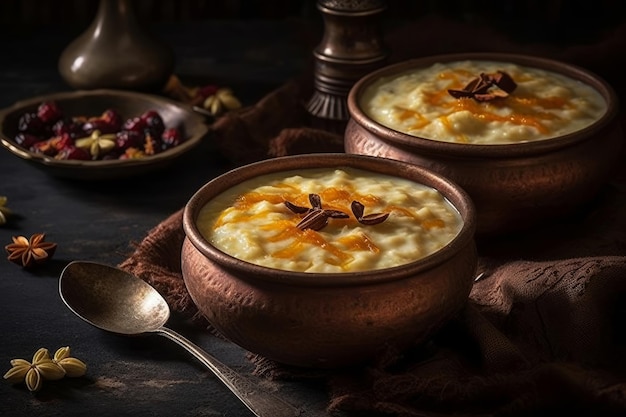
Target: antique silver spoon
pixel 114 300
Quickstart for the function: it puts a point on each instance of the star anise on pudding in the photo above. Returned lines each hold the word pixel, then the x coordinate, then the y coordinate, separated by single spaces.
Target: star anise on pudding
pixel 316 217
pixel 487 87
pixel 30 252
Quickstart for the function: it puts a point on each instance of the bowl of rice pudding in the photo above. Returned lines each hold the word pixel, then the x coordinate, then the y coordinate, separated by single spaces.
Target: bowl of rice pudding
pixel 325 260
pixel 530 139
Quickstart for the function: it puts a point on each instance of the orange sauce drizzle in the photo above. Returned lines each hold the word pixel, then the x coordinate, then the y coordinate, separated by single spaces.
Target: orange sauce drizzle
pixel 527 110
pixel 432 224
pixel 311 237
pixel 332 198
pixel 358 243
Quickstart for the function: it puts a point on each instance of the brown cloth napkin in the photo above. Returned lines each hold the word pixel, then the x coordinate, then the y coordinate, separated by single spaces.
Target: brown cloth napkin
pixel 544 329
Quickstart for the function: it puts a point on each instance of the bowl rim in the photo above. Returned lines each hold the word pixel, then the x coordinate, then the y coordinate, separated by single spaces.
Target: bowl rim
pixel 200 130
pixel 484 150
pixel 451 191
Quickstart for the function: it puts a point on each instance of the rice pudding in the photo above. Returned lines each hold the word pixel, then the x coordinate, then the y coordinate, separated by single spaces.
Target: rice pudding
pixel 325 220
pixel 543 104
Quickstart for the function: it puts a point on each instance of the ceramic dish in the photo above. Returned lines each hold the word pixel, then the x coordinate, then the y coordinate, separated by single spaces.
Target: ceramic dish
pixel 92 103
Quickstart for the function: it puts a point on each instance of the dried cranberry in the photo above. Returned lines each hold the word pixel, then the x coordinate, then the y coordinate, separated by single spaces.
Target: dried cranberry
pixel 49 112
pixel 26 140
pixel 63 141
pixel 135 124
pixel 67 126
pixel 113 118
pixel 171 137
pixel 99 124
pixel 154 122
pixel 128 139
pixel 31 123
pixel 72 152
pixel 45 147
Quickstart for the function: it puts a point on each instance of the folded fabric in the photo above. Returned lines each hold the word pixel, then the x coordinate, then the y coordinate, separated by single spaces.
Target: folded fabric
pixel 535 336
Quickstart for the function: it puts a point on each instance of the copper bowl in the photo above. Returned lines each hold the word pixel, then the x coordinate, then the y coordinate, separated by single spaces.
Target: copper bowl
pixel 328 320
pixel 94 102
pixel 513 186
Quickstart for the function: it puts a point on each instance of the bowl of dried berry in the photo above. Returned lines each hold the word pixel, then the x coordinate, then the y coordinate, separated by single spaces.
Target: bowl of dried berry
pixel 100 134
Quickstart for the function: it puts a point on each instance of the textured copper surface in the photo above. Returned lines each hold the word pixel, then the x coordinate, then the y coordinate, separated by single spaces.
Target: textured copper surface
pixel 513 186
pixel 328 320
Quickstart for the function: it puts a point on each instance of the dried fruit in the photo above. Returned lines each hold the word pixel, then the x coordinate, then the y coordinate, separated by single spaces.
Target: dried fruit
pixel 154 123
pixel 212 99
pixel 223 100
pixel 68 126
pixel 26 140
pixel 171 138
pixel 105 136
pixel 72 152
pixel 30 252
pixel 31 123
pixel 128 139
pixel 49 112
pixel 113 118
pixel 135 124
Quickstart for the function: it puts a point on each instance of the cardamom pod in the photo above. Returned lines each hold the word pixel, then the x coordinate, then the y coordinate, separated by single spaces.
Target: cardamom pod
pixel 73 367
pixel 18 371
pixel 33 380
pixel 50 370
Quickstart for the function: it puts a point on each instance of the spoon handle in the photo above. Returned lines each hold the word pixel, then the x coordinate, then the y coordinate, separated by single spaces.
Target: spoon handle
pixel 261 403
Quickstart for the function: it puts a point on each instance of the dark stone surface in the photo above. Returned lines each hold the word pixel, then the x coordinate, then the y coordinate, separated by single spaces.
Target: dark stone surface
pixel 99 221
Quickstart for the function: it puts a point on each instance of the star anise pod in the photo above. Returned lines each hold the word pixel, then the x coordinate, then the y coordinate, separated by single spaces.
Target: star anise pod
pixel 487 87
pixel 30 252
pixel 315 218
pixel 358 209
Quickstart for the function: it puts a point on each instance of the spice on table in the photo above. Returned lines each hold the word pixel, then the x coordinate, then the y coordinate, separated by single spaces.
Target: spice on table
pixel 73 367
pixel 30 252
pixel 223 100
pixel 33 373
pixel 212 99
pixel 5 212
pixel 43 367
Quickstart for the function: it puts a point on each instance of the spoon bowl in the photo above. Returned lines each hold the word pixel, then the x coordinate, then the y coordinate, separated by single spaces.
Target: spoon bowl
pixel 114 300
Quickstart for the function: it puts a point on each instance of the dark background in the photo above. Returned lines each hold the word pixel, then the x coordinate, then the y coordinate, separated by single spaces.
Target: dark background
pixel 533 20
